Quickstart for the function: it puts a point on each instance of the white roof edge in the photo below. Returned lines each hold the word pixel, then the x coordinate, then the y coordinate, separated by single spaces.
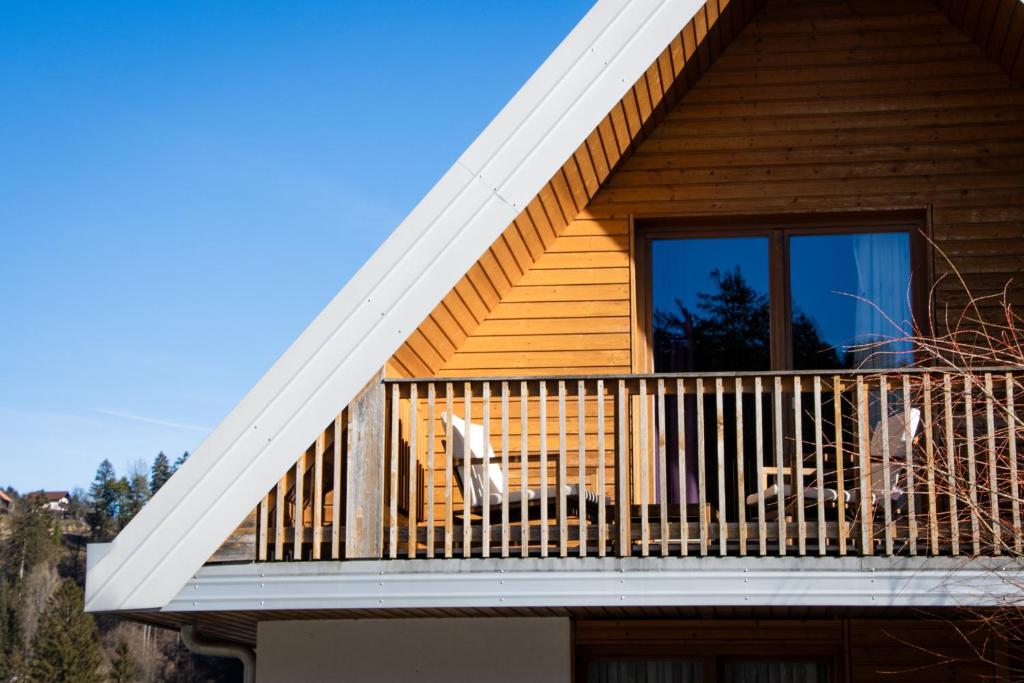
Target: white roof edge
pixel 469 207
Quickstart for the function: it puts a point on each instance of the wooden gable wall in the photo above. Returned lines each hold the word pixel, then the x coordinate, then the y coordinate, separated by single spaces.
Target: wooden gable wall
pixel 814 107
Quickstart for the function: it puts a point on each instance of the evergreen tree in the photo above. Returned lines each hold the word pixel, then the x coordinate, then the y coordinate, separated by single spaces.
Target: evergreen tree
pixel 121 494
pixel 179 462
pixel 124 669
pixel 33 538
pixel 10 635
pixel 160 472
pixel 104 495
pixel 136 492
pixel 66 645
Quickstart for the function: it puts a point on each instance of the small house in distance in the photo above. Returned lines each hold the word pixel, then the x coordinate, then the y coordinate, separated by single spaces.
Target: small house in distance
pixel 6 503
pixel 600 410
pixel 52 501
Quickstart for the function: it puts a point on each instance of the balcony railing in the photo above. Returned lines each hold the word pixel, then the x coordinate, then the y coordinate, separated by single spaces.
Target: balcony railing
pixel 900 462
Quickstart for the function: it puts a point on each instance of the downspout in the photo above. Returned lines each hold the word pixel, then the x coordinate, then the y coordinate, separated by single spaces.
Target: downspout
pixel 211 648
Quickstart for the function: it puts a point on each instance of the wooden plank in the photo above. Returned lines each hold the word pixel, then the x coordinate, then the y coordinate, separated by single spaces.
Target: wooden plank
pixel 299 505
pixel 602 521
pixel 504 472
pixel 413 488
pixel 337 493
pixel 951 481
pixel 393 488
pixel 562 480
pixel 449 472
pixel 662 474
pixel 1013 426
pixel 263 539
pixel 543 424
pixel 723 535
pixel 911 465
pixel 431 417
pixel 798 467
pixel 644 464
pixel 681 469
pixel 819 466
pixel 623 545
pixel 485 516
pixel 702 492
pixel 993 474
pixel 364 472
pixel 741 494
pixel 867 545
pixel 972 470
pixel 762 527
pixel 883 401
pixel 929 445
pixel 467 462
pixel 780 468
pixel 318 494
pixel 524 461
pixel 279 499
pixel 581 457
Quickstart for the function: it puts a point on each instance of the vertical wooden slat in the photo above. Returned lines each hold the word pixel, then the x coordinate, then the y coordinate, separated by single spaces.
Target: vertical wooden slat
pixel 504 471
pixel 431 399
pixel 762 526
pixel 622 473
pixel 393 493
pixel 684 525
pixel 279 519
pixel 929 445
pixel 819 466
pixel 336 488
pixel 972 473
pixel 951 483
pixel 297 510
pixel 581 433
pixel 602 521
pixel 1011 431
pixel 798 468
pixel 741 497
pixel 467 462
pixel 911 496
pixel 485 509
pixel 318 493
pixel 702 490
pixel 543 422
pixel 883 402
pixel 645 527
pixel 412 522
pixel 449 472
pixel 261 552
pixel 365 473
pixel 780 468
pixel 524 460
pixel 662 470
pixel 837 417
pixel 993 477
pixel 867 545
pixel 723 534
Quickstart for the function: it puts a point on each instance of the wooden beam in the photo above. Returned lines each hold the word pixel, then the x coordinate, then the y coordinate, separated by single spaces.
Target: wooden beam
pixel 364 476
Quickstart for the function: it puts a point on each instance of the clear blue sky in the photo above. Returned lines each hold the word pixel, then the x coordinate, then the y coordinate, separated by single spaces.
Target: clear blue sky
pixel 184 186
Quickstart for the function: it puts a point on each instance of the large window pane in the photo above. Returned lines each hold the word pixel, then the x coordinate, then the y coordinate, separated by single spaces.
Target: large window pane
pixel 710 307
pixel 638 671
pixel 848 291
pixel 776 672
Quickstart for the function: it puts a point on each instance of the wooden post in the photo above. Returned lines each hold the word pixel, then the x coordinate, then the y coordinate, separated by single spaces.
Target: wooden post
pixel 364 476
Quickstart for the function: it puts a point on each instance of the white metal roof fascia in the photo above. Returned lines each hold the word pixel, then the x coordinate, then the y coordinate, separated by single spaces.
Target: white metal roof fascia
pixel 368 585
pixel 357 332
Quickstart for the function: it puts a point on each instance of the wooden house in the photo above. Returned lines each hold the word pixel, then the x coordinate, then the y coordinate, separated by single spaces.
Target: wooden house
pixel 608 405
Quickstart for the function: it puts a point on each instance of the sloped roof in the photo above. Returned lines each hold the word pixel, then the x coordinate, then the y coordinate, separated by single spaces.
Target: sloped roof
pixel 460 218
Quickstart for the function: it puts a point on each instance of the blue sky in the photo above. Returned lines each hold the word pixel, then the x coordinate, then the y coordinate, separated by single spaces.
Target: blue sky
pixel 184 186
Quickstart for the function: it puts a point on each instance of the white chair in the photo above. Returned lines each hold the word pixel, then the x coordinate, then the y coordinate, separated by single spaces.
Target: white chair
pixel 473 484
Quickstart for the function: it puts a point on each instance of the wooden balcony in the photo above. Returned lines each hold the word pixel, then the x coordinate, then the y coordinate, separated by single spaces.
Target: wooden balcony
pixel 902 462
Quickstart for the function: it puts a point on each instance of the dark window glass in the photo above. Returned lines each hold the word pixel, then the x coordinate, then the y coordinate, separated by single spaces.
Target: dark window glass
pixel 636 671
pixel 849 293
pixel 710 308
pixel 776 672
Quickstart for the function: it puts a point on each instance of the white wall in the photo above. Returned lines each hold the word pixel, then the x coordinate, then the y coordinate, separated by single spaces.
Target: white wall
pixel 515 650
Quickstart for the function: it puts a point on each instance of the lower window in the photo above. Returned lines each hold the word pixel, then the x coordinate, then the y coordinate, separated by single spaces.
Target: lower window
pixel 722 669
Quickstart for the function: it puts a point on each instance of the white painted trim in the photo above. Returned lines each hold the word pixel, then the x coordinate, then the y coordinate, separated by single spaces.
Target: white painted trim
pixel 178 530
pixel 655 582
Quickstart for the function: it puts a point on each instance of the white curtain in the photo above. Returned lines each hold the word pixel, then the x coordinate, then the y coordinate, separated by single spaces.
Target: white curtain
pixel 883 311
pixel 775 672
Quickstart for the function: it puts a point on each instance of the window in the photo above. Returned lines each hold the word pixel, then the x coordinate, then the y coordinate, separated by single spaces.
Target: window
pixel 806 297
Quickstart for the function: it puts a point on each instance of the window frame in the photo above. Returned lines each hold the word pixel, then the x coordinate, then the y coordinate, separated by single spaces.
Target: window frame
pixel 778 229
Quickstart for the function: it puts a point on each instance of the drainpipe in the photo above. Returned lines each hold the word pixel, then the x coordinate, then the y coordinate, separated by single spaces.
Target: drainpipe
pixel 212 648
